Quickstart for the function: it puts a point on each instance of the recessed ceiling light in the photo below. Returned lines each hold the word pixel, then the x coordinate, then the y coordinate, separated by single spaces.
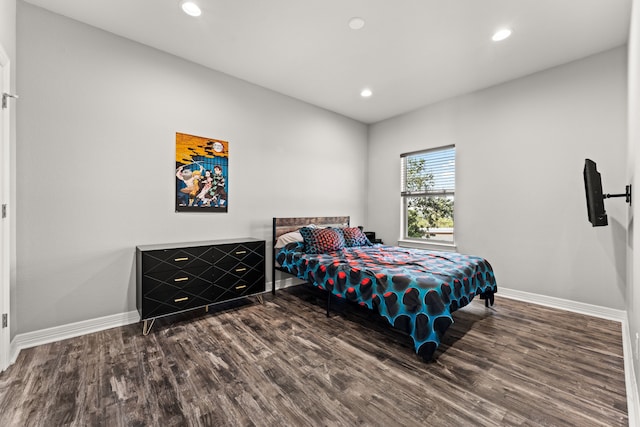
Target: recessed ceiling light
pixel 501 34
pixel 356 23
pixel 366 93
pixel 190 8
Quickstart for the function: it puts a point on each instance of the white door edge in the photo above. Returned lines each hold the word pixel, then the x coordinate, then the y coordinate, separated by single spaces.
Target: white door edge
pixel 5 223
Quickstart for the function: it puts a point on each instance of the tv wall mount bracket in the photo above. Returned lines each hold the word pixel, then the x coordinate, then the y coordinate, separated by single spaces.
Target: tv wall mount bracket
pixel 626 194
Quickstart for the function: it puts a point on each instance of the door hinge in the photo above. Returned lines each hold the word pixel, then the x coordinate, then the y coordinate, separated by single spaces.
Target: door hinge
pixel 4 320
pixel 6 96
pixel 4 210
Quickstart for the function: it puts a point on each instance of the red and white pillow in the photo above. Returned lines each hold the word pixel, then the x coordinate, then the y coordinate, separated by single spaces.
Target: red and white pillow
pixel 321 240
pixel 353 237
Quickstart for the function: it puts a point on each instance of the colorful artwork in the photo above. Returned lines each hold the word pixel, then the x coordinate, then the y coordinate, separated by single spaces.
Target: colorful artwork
pixel 202 171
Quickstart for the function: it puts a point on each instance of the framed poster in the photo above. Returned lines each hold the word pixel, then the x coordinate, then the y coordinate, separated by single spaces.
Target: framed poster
pixel 202 171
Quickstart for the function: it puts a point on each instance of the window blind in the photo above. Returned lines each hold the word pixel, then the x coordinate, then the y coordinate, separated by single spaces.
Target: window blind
pixel 428 172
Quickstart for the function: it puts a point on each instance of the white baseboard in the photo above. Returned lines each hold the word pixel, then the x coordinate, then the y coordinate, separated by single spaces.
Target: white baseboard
pixel 58 333
pixel 564 304
pixel 633 400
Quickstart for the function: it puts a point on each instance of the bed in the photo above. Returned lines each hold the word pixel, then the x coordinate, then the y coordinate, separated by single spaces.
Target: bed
pixel 415 290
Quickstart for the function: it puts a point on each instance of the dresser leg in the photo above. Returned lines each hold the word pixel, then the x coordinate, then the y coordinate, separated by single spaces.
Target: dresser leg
pixel 146 326
pixel 260 299
pixel 206 308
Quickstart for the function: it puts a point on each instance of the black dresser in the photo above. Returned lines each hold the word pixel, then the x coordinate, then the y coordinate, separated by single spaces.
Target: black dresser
pixel 177 277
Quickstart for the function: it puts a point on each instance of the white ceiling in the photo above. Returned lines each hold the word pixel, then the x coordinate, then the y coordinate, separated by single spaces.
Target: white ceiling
pixel 410 52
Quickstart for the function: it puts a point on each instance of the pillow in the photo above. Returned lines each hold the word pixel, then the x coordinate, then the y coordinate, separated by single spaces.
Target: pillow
pixel 293 236
pixel 321 240
pixel 353 237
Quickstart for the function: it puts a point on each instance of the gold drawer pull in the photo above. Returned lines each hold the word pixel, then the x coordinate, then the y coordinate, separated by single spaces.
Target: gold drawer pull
pixel 241 287
pixel 181 279
pixel 238 270
pixel 180 299
pixel 241 252
pixel 181 259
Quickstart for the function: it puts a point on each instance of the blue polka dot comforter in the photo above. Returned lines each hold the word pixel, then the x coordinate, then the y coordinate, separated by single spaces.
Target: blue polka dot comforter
pixel 415 290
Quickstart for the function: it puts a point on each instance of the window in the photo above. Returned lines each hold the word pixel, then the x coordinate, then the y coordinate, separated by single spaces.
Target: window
pixel 428 189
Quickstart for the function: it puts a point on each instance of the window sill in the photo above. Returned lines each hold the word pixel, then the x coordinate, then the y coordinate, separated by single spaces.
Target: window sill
pixel 436 246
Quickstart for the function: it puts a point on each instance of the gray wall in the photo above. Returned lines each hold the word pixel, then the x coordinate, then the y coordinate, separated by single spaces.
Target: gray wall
pixel 520 201
pixel 97 119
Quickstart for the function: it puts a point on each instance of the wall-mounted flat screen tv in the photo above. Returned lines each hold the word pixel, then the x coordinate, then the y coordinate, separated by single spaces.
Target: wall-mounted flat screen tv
pixel 595 199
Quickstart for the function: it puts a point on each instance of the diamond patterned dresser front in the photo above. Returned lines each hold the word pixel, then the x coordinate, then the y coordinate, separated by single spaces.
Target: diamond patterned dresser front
pixel 238 270
pixel 176 277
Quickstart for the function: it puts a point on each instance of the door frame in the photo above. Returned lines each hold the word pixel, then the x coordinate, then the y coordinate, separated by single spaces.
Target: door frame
pixel 5 223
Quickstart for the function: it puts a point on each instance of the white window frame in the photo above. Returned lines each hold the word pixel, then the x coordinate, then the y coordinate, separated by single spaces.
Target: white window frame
pixel 444 188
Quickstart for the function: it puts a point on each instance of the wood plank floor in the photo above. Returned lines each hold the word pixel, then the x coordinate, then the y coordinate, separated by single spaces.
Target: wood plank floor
pixel 283 363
